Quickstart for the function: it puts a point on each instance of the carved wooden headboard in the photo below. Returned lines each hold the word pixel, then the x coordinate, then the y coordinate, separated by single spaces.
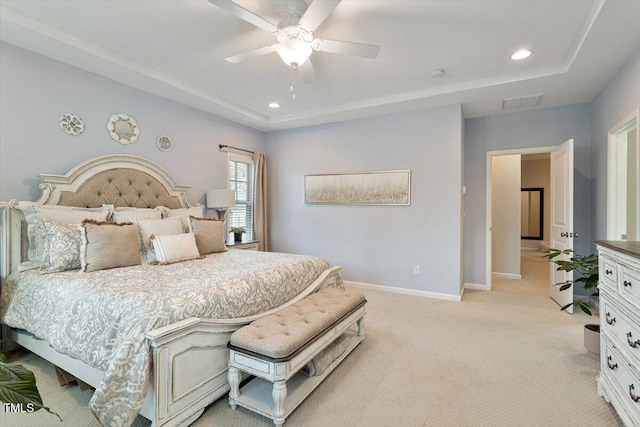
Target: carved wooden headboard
pixel 120 180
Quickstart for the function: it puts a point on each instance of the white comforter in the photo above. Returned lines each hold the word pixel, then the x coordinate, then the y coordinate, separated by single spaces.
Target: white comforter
pixel 101 317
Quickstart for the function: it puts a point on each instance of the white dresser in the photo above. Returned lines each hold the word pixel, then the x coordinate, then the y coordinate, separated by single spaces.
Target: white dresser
pixel 619 379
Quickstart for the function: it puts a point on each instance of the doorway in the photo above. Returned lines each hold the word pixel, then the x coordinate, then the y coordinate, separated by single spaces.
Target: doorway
pixel 560 221
pixel 623 180
pixel 504 176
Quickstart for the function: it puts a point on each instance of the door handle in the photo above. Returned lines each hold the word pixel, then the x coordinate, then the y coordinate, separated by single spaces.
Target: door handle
pixel 569 234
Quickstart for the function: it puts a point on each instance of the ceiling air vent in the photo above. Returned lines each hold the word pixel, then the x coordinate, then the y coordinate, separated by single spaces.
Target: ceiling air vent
pixel 522 102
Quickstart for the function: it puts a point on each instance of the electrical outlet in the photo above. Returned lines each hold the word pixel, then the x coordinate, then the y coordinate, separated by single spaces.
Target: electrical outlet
pixel 416 269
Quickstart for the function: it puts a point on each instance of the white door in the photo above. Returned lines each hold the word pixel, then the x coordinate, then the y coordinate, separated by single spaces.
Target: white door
pixel 562 216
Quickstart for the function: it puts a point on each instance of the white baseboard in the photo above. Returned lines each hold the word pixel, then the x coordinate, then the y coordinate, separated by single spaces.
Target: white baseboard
pixel 405 291
pixel 476 286
pixel 508 275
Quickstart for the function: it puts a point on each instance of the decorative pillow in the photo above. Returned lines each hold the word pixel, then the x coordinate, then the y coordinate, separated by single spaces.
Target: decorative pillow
pixel 209 234
pixel 63 242
pixel 134 214
pixel 176 248
pixel 65 214
pixel 42 242
pixel 157 227
pixel 184 214
pixel 109 245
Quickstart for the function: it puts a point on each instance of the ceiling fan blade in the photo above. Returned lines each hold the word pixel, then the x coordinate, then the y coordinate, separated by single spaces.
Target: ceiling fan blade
pixel 244 14
pixel 307 72
pixel 252 53
pixel 317 13
pixel 346 48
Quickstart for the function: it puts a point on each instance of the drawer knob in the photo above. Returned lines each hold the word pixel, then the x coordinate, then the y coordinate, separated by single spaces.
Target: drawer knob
pixel 609 319
pixel 612 367
pixel 626 283
pixel 632 343
pixel 633 396
pixel 608 272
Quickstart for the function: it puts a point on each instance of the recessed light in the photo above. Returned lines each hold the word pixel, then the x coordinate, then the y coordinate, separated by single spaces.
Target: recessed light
pixel 274 105
pixel 521 54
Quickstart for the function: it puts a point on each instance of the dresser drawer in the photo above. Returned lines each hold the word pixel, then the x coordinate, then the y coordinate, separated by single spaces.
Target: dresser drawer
pixel 608 272
pixel 622 330
pixel 623 377
pixel 629 284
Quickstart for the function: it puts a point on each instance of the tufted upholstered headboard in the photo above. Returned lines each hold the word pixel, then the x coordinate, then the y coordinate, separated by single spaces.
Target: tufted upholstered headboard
pixel 120 187
pixel 121 180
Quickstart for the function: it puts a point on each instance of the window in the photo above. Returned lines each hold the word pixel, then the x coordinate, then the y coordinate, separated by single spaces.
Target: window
pixel 241 180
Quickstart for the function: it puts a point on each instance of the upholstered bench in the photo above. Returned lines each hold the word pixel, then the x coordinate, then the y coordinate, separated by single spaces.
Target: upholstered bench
pixel 276 347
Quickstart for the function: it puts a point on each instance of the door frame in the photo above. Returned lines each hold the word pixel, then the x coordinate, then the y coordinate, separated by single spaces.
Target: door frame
pixel 612 144
pixel 488 203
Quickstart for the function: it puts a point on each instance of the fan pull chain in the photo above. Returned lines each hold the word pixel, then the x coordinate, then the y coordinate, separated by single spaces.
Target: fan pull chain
pixel 292 88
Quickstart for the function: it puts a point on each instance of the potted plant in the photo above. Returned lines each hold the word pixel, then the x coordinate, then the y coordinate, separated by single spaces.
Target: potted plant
pixel 18 387
pixel 587 268
pixel 237 233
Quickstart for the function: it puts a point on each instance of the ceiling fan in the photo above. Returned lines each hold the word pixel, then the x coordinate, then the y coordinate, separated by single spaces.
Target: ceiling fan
pixel 295 35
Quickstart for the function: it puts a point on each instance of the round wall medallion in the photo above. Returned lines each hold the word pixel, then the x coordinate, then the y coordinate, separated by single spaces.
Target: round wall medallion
pixel 123 128
pixel 164 143
pixel 71 124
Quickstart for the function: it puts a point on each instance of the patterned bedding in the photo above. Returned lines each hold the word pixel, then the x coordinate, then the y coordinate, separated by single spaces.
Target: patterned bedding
pixel 101 317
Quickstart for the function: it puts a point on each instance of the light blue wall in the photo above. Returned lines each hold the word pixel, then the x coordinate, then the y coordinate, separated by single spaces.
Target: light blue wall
pixel 375 244
pixel 35 91
pixel 537 128
pixel 620 97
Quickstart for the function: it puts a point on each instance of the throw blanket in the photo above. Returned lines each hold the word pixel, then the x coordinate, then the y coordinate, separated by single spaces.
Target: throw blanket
pixel 101 317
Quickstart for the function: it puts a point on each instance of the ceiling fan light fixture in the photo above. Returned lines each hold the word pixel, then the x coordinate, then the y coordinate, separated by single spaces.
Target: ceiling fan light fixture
pixel 294 52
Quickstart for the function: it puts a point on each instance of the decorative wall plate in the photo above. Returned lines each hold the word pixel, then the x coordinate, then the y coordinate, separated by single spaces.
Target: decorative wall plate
pixel 123 128
pixel 71 124
pixel 164 143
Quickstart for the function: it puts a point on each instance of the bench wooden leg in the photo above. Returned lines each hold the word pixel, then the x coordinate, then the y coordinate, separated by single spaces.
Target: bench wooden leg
pixel 279 395
pixel 233 376
pixel 361 327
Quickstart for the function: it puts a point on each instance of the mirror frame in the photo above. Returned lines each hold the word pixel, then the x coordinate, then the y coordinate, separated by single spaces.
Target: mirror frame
pixel 540 235
pixel 111 127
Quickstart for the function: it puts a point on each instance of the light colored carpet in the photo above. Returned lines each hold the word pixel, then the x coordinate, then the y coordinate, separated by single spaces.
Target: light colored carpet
pixel 508 357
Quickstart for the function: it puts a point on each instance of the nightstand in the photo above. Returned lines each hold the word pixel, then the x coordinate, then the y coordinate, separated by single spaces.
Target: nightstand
pixel 249 245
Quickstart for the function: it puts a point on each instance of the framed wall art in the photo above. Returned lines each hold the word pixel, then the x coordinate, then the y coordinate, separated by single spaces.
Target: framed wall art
pixel 359 188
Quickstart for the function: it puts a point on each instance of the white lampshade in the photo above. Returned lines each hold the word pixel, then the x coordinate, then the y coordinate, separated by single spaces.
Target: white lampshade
pixel 221 199
pixel 294 51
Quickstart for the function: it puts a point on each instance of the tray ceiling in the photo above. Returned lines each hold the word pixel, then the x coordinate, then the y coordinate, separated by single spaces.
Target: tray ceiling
pixel 176 49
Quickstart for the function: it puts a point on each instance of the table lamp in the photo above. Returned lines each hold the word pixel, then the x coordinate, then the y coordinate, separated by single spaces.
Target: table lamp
pixel 221 200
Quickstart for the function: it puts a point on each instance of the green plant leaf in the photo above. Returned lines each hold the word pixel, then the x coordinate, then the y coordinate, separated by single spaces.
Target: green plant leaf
pixel 564 307
pixel 584 308
pixel 565 287
pixel 18 385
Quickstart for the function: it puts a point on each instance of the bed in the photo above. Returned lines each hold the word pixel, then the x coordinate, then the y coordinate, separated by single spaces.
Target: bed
pixel 165 349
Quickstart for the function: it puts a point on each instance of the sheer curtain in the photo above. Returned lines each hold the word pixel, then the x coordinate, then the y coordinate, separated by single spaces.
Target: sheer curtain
pixel 261 211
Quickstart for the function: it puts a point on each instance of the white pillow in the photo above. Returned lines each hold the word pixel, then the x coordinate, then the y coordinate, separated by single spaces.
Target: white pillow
pixel 64 214
pixel 134 214
pixel 156 227
pixel 176 248
pixel 183 214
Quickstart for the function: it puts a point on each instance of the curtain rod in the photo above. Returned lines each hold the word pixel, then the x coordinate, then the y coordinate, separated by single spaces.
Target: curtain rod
pixel 222 148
